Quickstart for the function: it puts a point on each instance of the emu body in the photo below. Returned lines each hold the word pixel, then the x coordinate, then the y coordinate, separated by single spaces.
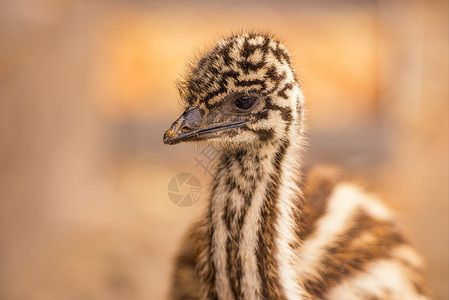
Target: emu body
pixel 268 233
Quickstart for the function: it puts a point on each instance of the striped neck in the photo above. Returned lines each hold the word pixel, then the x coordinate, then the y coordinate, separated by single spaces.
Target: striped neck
pixel 251 218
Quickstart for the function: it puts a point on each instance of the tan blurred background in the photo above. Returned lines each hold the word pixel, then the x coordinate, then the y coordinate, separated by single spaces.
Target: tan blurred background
pixel 86 91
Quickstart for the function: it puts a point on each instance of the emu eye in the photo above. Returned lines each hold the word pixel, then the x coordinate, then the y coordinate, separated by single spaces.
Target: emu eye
pixel 244 102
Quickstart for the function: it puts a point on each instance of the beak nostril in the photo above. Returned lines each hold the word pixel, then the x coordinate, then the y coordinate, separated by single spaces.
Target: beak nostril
pixel 186 128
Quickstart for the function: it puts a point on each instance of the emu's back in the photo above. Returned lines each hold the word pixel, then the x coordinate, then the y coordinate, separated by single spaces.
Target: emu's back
pixel 351 247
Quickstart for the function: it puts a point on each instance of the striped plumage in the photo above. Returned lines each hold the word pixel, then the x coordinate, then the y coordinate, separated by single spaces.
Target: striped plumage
pixel 267 233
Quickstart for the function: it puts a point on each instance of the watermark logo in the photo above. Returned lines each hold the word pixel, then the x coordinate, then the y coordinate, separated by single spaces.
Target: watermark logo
pixel 184 189
pixel 206 159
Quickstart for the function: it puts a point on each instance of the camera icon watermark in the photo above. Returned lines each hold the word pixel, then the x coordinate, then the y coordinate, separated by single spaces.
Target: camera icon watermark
pixel 184 190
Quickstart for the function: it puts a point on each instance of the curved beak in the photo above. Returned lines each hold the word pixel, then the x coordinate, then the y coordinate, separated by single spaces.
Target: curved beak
pixel 191 126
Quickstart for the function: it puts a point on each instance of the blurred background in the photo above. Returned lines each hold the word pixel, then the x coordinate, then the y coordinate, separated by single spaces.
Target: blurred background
pixel 86 92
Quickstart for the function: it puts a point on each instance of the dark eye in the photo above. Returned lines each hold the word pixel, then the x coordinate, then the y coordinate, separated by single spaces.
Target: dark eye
pixel 244 102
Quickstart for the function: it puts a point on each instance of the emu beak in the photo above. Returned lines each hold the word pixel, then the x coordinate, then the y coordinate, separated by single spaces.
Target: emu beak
pixel 182 128
pixel 192 126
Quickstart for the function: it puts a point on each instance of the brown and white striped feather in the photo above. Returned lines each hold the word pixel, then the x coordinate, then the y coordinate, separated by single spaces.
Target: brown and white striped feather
pixel 351 248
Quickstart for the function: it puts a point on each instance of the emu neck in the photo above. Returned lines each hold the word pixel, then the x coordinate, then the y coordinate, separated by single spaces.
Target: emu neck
pixel 251 223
